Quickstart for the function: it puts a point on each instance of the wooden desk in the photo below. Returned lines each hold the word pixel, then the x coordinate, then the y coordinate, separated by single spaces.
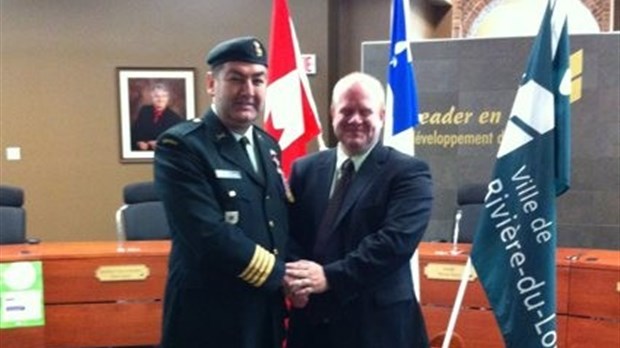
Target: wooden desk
pixel 83 311
pixel 588 301
pixel 594 302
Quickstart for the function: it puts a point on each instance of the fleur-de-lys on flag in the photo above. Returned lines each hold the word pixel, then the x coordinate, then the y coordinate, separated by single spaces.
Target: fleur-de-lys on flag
pixel 290 110
pixel 515 243
pixel 401 114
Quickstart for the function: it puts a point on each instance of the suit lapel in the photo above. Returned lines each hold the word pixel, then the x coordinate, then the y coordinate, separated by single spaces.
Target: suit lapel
pixel 320 178
pixel 323 180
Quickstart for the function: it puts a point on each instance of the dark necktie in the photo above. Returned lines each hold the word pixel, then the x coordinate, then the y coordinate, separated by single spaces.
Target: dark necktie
pixel 244 142
pixel 322 247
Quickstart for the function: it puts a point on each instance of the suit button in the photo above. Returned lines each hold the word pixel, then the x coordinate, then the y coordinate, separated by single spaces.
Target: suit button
pixel 268 197
pixel 232 193
pixel 272 224
pixel 275 252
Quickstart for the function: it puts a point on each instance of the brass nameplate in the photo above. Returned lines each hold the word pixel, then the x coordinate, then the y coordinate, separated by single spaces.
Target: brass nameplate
pixel 119 273
pixel 447 271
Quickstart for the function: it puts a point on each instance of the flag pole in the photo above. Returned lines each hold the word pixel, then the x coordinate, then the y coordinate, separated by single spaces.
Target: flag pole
pixel 457 304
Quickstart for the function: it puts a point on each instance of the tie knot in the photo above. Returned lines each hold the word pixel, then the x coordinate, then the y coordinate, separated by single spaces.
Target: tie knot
pixel 347 167
pixel 244 141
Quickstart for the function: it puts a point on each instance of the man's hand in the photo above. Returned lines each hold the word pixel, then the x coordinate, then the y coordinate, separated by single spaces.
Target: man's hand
pixel 305 277
pixel 297 301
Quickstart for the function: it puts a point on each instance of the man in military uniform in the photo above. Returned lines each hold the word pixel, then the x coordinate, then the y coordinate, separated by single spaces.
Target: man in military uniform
pixel 225 201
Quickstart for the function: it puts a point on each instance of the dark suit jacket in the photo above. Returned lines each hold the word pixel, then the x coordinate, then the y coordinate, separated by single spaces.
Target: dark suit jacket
pixel 370 302
pixel 219 211
pixel 145 129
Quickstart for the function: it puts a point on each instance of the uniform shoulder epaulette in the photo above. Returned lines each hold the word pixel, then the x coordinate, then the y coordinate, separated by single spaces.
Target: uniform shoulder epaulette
pixel 179 131
pixel 263 132
pixel 265 135
pixel 189 126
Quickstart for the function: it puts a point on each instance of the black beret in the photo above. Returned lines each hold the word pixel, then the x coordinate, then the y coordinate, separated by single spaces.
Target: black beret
pixel 242 49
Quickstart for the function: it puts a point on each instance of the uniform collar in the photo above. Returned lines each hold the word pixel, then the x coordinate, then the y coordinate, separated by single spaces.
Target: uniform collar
pixel 248 134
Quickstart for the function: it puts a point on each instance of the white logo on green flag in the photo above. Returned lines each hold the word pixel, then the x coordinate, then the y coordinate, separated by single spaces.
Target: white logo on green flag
pixel 21 294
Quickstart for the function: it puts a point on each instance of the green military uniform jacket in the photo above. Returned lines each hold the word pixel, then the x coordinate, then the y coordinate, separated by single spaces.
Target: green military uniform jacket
pixel 228 227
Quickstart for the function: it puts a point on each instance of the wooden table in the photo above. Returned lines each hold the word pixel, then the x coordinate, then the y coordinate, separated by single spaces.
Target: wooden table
pixel 588 298
pixel 82 310
pixel 89 300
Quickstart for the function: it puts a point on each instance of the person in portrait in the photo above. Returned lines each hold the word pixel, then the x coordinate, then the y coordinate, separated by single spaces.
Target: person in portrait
pixel 153 119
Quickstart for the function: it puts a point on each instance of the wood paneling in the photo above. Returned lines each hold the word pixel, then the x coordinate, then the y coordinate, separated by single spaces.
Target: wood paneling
pixel 84 312
pixel 589 333
pixel 87 288
pixel 27 337
pixel 103 324
pixel 587 299
pixel 81 310
pixel 595 285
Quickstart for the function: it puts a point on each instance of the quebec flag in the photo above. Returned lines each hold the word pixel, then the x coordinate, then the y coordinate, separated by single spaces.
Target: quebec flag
pixel 401 114
pixel 515 244
pixel 401 100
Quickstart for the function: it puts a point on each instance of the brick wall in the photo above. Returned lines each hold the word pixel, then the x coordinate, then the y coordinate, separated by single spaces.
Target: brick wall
pixel 465 12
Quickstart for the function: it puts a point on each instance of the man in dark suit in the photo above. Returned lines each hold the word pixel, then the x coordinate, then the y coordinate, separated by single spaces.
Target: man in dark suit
pixel 225 202
pixel 353 287
pixel 153 119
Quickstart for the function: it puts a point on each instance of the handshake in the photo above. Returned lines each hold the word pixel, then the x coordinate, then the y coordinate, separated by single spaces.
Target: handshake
pixel 301 279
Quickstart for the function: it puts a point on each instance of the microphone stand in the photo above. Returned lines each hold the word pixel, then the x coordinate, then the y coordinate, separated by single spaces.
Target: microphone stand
pixel 455 237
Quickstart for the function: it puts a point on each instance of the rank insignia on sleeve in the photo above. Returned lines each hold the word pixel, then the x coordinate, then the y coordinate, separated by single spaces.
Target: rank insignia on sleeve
pixel 259 268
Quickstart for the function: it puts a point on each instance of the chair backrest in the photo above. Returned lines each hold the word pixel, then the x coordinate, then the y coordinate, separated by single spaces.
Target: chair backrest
pixel 142 217
pixel 469 200
pixel 12 215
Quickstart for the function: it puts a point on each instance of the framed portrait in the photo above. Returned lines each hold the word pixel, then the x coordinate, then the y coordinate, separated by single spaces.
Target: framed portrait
pixel 152 100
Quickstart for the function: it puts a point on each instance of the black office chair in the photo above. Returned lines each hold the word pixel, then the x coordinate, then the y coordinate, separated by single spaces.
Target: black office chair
pixel 12 215
pixel 142 217
pixel 469 200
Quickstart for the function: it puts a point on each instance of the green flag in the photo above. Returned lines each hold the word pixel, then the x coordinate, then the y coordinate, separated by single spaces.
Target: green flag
pixel 514 246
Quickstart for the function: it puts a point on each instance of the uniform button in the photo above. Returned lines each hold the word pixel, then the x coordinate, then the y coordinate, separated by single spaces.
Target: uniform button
pixel 267 197
pixel 271 223
pixel 275 251
pixel 232 193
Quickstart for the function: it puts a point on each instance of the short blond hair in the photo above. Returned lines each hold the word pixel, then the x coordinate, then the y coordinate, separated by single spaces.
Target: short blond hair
pixel 370 82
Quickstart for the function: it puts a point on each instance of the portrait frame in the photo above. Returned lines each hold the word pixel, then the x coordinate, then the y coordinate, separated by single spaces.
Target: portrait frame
pixel 152 100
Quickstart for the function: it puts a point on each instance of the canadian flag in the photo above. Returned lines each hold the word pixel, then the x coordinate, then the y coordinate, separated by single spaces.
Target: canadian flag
pixel 290 110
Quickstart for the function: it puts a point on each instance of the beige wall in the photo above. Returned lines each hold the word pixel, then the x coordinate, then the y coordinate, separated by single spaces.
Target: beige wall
pixel 59 98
